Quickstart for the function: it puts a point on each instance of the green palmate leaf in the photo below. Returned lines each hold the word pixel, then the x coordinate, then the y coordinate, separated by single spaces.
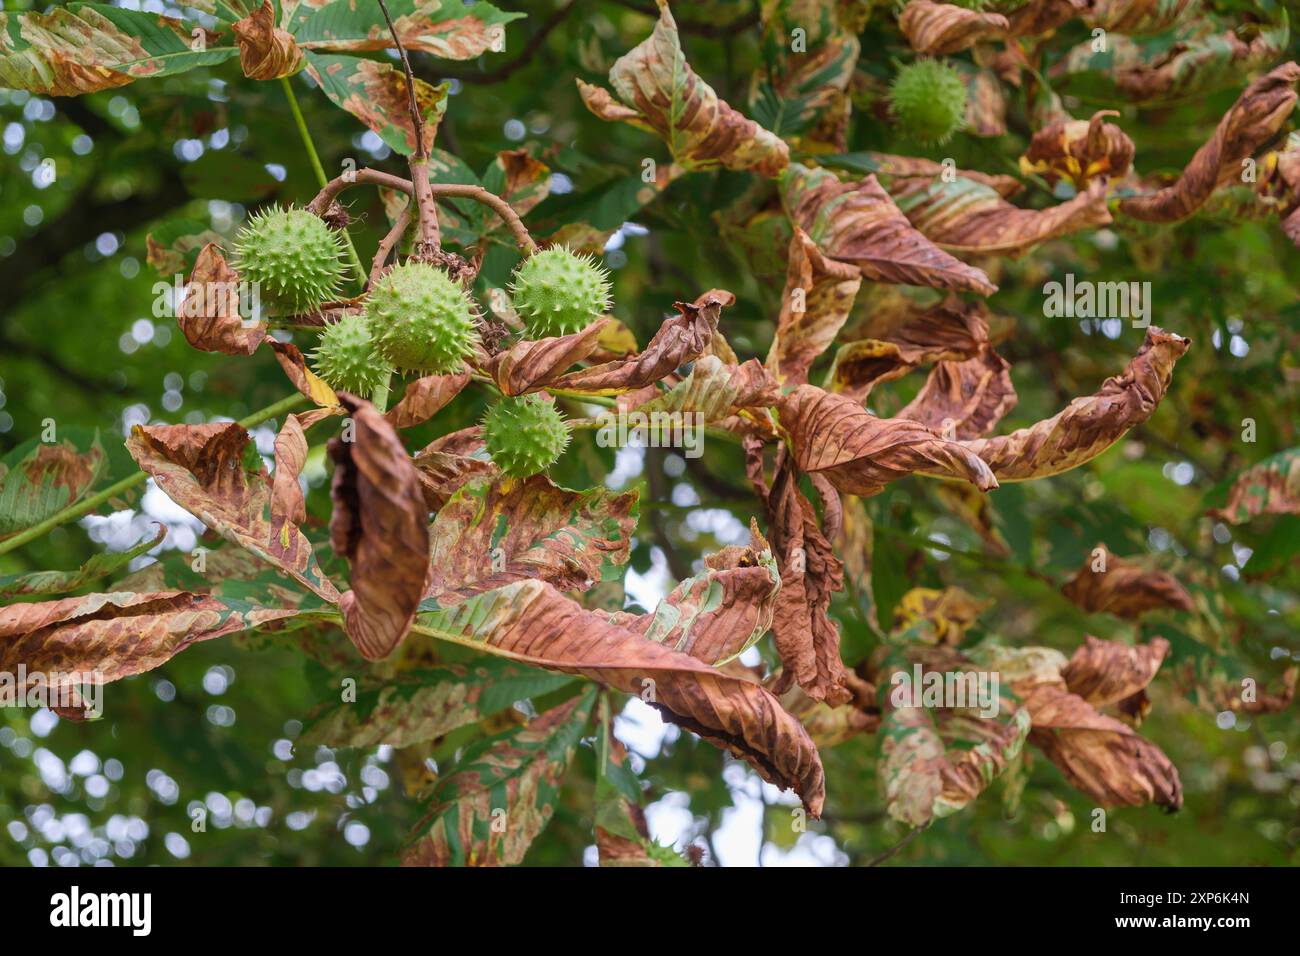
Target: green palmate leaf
pixel 426 704
pixel 86 47
pixel 450 29
pixel 376 94
pixel 502 793
pixel 60 582
pixel 622 838
pixel 39 479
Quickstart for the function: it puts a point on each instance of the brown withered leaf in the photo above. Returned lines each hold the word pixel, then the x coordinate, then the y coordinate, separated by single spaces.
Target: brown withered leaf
pixel 818 297
pixel 1038 17
pixel 718 614
pixel 213 472
pixel 1106 673
pixel 682 338
pixel 424 398
pixel 380 525
pixel 1270 488
pixel 952 331
pixel 860 453
pixel 892 168
pixel 806 636
pixel 492 533
pixel 265 51
pixel 970 217
pixel 1099 755
pixel 942 28
pixel 116 635
pixel 964 399
pixel 294 365
pixel 532 364
pixel 986 108
pixel 450 461
pixel 1088 425
pixel 1124 589
pixel 1257 115
pixel 208 314
pixel 714 390
pixel 663 94
pixel 1079 151
pixel 858 223
pixel 531 622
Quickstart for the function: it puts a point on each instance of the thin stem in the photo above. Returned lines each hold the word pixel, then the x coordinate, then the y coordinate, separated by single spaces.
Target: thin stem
pixel 478 194
pixel 314 157
pixel 417 121
pixel 87 505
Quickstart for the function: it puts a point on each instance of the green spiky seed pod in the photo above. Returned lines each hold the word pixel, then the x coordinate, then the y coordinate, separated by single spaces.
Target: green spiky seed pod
pixel 421 320
pixel 293 256
pixel 928 98
pixel 558 293
pixel 346 357
pixel 524 434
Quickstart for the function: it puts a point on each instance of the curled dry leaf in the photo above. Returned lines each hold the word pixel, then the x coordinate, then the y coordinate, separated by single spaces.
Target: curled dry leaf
pixel 450 461
pixel 379 525
pixel 492 533
pixel 533 623
pixel 718 614
pixel 1270 488
pixel 967 216
pixel 815 304
pixel 424 398
pixel 894 168
pixel 1132 17
pixel 1106 673
pixel 806 637
pixel 965 399
pixel 214 472
pixel 943 28
pixel 663 94
pixel 681 339
pixel 105 637
pixel 265 51
pixel 1123 588
pixel 1079 151
pixel 858 223
pixel 209 310
pixel 951 332
pixel 518 772
pixel 1088 425
pixel 860 453
pixel 307 382
pixel 1099 755
pixel 1257 115
pixel 714 390
pixel 1038 17
pixel 532 364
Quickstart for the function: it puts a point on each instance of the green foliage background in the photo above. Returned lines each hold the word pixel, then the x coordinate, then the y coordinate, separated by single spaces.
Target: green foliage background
pixel 70 297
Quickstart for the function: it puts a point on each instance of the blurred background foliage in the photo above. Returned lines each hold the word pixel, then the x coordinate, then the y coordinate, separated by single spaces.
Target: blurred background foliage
pixel 216 725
